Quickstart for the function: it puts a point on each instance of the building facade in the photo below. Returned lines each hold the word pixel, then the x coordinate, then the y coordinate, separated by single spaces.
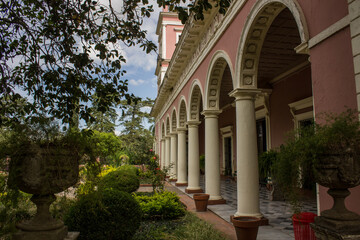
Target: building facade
pixel 232 86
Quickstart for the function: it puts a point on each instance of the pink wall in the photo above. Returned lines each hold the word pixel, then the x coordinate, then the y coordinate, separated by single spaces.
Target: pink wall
pixel 334 88
pixel 170 40
pixel 292 89
pixel 228 118
pixel 320 15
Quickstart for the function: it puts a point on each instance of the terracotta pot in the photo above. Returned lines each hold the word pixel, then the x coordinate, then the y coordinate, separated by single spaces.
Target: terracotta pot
pixel 246 227
pixel 201 201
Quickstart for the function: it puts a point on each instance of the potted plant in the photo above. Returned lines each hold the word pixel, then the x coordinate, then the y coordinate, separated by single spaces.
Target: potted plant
pixel 266 162
pixel 246 227
pixel 336 157
pixel 201 201
pixel 330 154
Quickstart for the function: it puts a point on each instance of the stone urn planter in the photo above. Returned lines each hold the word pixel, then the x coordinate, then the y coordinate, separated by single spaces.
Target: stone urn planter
pixel 43 171
pixel 201 201
pixel 339 172
pixel 246 227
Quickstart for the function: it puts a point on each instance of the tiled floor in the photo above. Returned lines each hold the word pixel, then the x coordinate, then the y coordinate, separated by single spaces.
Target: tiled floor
pixel 278 212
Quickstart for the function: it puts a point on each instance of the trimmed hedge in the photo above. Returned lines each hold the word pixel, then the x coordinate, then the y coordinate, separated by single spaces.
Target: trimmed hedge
pixel 121 180
pixel 105 215
pixel 164 205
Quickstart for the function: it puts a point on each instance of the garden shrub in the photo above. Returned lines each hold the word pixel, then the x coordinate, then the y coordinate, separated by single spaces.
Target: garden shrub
pixel 105 215
pixel 121 180
pixel 130 168
pixel 164 205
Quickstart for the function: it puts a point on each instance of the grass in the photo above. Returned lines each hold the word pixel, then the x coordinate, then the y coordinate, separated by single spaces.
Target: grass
pixel 187 227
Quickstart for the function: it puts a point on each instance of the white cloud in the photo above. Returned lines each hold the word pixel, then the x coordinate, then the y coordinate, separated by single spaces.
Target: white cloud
pixel 136 82
pixel 146 109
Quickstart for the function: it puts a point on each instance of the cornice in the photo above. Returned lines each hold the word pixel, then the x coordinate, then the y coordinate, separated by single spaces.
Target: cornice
pixel 180 71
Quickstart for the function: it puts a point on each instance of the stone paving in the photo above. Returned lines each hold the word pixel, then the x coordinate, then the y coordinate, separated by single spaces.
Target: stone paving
pixel 278 212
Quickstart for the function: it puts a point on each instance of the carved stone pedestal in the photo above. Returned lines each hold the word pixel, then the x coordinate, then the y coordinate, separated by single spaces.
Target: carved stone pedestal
pixel 322 233
pixel 43 226
pixel 46 235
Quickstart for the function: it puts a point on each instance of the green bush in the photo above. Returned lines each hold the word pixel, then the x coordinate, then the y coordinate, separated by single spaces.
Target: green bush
pixel 105 215
pixel 121 180
pixel 130 168
pixel 164 205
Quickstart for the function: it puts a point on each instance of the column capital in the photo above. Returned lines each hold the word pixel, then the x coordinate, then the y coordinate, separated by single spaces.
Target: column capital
pixel 172 134
pixel 244 94
pixel 167 136
pixel 192 123
pixel 211 113
pixel 181 129
pixel 162 139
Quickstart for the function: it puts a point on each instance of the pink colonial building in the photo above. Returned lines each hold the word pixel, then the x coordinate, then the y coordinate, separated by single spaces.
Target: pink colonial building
pixel 232 86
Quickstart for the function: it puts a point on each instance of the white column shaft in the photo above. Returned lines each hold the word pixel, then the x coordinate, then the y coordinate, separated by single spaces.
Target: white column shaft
pixel 194 166
pixel 247 158
pixel 162 155
pixel 167 152
pixel 173 156
pixel 212 164
pixel 181 174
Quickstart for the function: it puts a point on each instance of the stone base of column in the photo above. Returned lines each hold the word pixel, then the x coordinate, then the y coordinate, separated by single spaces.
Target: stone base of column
pixel 181 184
pixel 173 180
pixel 189 191
pixel 217 201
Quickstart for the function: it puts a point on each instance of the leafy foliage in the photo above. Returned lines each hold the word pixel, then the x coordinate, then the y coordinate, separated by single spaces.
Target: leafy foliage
pixel 198 9
pixel 105 215
pixel 164 205
pixel 187 227
pixel 46 51
pixel 121 179
pixel 137 140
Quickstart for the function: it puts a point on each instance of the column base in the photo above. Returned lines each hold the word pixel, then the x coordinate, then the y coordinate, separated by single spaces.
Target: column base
pixel 217 201
pixel 172 179
pixel 181 184
pixel 189 191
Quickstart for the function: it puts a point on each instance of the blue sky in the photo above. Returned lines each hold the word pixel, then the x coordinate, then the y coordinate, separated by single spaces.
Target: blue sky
pixel 140 66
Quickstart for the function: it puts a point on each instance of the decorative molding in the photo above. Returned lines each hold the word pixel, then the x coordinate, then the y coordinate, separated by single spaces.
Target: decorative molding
pixel 197 56
pixel 328 32
pixel 182 114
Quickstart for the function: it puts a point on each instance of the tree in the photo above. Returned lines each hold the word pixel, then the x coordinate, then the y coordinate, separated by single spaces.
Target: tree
pixel 46 49
pixel 136 138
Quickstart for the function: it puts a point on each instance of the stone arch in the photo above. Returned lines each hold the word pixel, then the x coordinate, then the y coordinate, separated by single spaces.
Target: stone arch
pixel 173 121
pixel 163 130
pixel 182 113
pixel 167 125
pixel 252 38
pixel 215 73
pixel 196 98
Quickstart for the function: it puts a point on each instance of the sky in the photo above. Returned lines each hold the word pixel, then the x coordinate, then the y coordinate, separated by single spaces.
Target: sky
pixel 140 67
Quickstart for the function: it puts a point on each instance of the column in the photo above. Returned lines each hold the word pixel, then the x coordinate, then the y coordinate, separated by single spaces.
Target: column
pixel 181 167
pixel 173 156
pixel 194 166
pixel 162 155
pixel 247 159
pixel 167 151
pixel 212 161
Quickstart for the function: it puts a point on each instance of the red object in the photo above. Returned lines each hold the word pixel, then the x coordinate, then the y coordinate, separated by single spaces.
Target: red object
pixel 302 229
pixel 154 158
